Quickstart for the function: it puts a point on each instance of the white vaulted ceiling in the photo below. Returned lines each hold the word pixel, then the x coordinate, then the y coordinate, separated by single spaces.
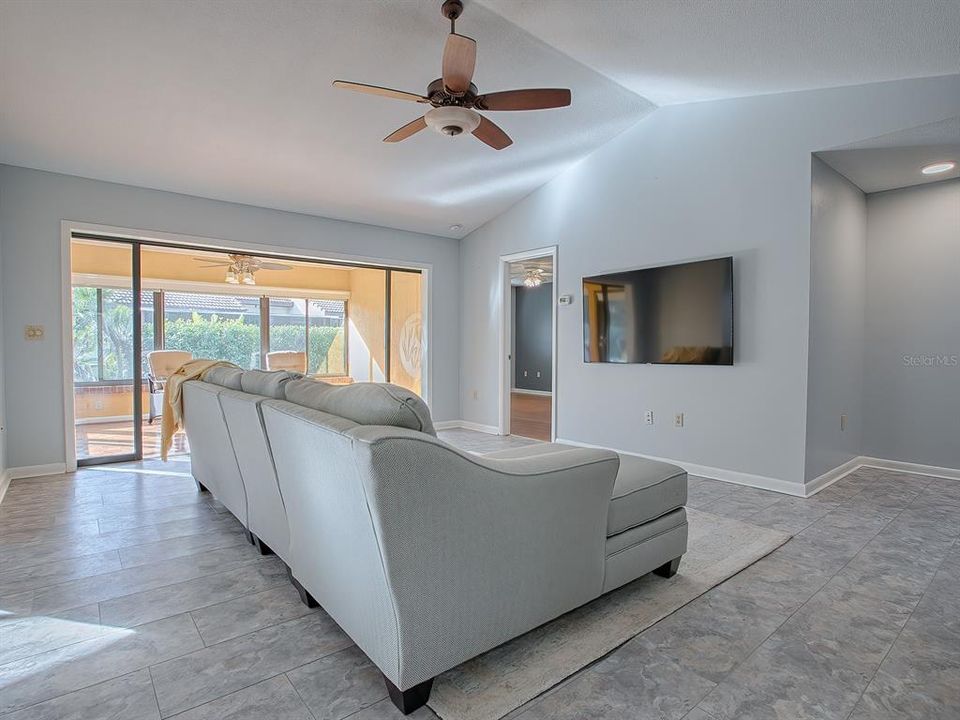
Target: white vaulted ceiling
pixel 678 52
pixel 231 99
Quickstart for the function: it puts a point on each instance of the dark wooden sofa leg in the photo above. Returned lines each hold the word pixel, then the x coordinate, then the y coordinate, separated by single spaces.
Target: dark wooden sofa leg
pixel 305 597
pixel 409 700
pixel 669 569
pixel 261 546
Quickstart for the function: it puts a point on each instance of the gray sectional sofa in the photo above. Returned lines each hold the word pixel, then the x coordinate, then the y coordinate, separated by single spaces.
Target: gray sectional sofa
pixel 424 554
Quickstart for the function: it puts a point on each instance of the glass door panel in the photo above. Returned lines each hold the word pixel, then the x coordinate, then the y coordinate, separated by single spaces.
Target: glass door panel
pixel 366 332
pixel 106 388
pixel 288 333
pixel 327 354
pixel 213 326
pixel 406 330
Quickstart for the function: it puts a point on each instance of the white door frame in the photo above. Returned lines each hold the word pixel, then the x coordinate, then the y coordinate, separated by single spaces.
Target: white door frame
pixel 506 333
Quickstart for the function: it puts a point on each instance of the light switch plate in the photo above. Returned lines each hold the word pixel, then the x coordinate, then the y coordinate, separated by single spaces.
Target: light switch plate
pixel 33 332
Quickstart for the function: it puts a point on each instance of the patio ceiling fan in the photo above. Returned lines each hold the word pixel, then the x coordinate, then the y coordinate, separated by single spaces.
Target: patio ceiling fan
pixel 454 97
pixel 241 268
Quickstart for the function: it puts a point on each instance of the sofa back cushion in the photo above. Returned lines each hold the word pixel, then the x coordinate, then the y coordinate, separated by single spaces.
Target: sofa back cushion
pixel 364 403
pixel 227 377
pixel 266 383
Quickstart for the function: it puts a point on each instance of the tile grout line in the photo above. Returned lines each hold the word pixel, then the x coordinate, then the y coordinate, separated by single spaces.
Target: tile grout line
pixel 904 627
pixel 804 604
pixel 121 568
pixel 299 696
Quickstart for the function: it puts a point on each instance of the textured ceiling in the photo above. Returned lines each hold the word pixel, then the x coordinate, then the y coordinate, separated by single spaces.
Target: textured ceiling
pixel 677 52
pixel 232 100
pixel 894 160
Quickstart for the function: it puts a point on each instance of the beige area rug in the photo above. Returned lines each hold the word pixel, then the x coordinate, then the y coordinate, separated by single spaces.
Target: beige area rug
pixel 491 685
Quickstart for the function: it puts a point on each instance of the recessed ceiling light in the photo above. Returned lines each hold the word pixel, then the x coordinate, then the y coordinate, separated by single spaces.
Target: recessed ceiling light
pixel 938 167
pixel 456 228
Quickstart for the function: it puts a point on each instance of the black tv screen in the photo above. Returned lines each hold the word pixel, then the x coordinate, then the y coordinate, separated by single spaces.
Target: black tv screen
pixel 675 315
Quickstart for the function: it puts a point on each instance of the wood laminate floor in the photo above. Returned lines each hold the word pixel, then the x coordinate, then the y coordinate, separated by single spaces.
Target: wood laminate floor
pixel 530 415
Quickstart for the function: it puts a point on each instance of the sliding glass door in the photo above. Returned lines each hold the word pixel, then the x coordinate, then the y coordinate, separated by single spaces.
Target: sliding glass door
pixel 107 352
pixel 333 321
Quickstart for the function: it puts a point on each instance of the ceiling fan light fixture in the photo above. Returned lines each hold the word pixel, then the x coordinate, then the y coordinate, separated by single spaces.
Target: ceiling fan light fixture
pixel 248 278
pixel 533 278
pixel 452 120
pixel 232 277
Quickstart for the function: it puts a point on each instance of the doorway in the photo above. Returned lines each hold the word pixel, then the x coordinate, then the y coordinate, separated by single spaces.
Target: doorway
pixel 528 377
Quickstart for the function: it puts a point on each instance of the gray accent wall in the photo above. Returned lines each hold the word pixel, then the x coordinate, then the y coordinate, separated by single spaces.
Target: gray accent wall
pixel 912 358
pixel 35 202
pixel 689 182
pixel 533 337
pixel 838 259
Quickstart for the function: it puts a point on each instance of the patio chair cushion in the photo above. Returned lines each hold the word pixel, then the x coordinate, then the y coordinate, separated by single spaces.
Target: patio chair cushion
pixel 364 403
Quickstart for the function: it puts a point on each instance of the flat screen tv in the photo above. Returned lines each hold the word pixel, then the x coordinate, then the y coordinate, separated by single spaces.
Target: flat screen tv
pixel 671 315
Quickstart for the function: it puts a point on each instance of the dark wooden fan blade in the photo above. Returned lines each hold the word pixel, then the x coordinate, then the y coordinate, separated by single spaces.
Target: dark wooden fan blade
pixel 492 135
pixel 381 91
pixel 532 99
pixel 459 62
pixel 406 131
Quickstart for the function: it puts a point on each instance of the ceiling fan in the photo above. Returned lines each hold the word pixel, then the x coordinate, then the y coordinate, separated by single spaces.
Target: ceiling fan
pixel 454 97
pixel 240 268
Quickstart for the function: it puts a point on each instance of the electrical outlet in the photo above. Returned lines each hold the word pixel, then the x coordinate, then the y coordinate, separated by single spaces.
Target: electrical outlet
pixel 678 420
pixel 33 332
pixel 843 423
pixel 538 373
pixel 648 417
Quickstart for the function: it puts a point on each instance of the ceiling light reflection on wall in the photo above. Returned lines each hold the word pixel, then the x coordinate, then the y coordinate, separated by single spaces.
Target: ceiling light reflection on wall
pixel 938 167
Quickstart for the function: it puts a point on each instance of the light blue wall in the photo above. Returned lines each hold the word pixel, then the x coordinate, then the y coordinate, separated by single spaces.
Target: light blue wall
pixel 838 259
pixel 687 182
pixel 3 415
pixel 912 358
pixel 34 203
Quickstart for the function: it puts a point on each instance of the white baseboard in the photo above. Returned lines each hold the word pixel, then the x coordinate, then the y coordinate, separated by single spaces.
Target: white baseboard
pixel 4 483
pixel 831 476
pixel 466 425
pixel 714 473
pixel 912 468
pixel 29 471
pixel 524 391
pixel 861 461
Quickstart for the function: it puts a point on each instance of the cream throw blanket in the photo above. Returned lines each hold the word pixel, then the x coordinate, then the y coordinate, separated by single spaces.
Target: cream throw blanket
pixel 172 419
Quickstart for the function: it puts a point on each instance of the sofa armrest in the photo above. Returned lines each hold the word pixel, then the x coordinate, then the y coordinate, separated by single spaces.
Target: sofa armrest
pixel 477 551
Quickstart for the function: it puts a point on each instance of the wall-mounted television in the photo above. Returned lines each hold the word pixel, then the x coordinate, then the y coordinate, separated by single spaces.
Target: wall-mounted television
pixel 672 315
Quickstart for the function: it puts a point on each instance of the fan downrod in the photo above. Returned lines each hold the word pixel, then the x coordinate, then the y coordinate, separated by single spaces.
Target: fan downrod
pixel 451 10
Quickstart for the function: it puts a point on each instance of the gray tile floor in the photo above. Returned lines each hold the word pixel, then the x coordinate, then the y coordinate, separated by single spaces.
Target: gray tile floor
pixel 125 594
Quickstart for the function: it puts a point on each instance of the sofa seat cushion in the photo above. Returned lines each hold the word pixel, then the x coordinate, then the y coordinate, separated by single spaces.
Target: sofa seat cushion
pixel 364 403
pixel 644 490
